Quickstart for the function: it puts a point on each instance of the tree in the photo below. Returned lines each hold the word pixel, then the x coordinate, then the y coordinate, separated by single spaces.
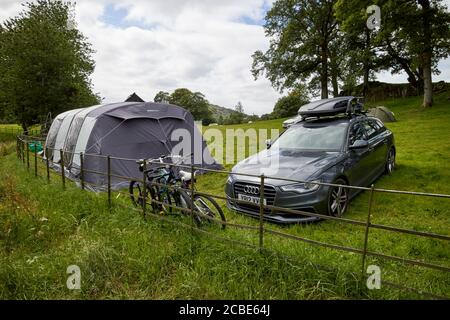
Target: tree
pixel 162 97
pixel 414 35
pixel 416 48
pixel 239 108
pixel 288 106
pixel 300 34
pixel 361 55
pixel 194 102
pixel 45 63
pixel 235 118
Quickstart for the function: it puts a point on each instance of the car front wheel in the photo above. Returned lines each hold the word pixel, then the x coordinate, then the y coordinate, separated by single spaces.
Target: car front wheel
pixel 338 199
pixel 390 162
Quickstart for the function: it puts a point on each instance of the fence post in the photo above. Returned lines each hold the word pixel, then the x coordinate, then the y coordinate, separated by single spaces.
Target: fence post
pixel 47 165
pixel 192 197
pixel 28 155
pixel 261 213
pixel 35 160
pixel 17 148
pixel 63 174
pixel 82 170
pixel 109 180
pixel 144 188
pixel 366 235
pixel 22 146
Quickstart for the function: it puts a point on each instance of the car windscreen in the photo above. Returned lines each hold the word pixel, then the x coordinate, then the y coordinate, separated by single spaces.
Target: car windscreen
pixel 327 137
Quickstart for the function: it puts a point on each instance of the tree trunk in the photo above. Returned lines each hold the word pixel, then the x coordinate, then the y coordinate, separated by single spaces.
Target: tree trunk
pixel 324 71
pixel 405 64
pixel 334 74
pixel 366 65
pixel 25 129
pixel 335 84
pixel 426 55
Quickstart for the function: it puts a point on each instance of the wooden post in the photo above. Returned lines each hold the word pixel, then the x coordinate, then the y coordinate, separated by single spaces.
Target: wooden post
pixel 63 174
pixel 17 148
pixel 22 145
pixel 35 159
pixel 28 155
pixel 82 170
pixel 261 213
pixel 109 180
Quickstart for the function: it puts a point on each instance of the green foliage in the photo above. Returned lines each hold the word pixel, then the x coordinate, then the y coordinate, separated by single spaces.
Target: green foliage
pixel 288 106
pixel 161 97
pixel 400 42
pixel 194 102
pixel 301 33
pixel 46 62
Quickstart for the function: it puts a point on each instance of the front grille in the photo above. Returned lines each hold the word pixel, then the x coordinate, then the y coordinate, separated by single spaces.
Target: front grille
pixel 269 195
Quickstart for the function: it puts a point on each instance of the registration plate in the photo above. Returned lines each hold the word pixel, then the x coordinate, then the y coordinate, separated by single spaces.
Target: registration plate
pixel 250 199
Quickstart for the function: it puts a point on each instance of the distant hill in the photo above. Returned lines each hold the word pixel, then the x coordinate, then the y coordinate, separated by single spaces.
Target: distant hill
pixel 220 111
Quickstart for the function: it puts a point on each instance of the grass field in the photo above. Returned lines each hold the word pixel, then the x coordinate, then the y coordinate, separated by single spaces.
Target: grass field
pixel 43 230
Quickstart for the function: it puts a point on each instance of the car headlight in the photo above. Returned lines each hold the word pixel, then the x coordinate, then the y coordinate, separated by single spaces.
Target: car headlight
pixel 229 179
pixel 302 187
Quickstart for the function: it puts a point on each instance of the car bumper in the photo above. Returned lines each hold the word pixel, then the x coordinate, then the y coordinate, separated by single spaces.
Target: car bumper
pixel 284 218
pixel 314 202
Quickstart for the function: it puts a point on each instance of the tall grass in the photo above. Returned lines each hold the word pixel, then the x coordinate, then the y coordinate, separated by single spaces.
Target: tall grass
pixel 43 230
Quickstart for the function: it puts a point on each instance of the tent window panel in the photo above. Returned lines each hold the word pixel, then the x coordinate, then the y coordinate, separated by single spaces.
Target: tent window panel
pixel 72 137
pixel 51 137
pixel 83 138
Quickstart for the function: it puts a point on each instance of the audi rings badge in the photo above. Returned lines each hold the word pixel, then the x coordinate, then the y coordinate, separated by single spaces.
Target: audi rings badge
pixel 251 189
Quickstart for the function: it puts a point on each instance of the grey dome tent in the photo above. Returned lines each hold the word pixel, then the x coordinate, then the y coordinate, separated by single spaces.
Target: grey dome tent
pixel 128 130
pixel 382 113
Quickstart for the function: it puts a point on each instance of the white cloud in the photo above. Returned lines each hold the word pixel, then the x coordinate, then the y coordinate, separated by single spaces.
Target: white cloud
pixel 204 45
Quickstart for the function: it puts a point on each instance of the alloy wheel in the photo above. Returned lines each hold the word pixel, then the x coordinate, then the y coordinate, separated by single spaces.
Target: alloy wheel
pixel 338 200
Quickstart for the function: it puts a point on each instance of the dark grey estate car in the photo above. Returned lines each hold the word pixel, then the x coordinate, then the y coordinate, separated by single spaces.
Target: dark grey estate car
pixel 349 149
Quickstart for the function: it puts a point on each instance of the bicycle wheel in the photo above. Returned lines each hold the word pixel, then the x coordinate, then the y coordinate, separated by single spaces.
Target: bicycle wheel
pixel 136 194
pixel 208 210
pixel 135 189
pixel 185 202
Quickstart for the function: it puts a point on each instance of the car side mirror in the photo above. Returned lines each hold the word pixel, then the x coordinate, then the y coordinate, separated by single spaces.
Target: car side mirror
pixel 268 143
pixel 359 144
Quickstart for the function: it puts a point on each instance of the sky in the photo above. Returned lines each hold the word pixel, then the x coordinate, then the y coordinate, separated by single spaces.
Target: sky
pixel 145 46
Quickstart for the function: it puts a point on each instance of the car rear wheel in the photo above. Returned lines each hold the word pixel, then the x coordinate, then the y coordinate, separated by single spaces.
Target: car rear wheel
pixel 390 162
pixel 338 199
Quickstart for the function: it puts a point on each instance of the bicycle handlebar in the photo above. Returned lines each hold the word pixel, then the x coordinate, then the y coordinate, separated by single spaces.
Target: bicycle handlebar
pixel 162 157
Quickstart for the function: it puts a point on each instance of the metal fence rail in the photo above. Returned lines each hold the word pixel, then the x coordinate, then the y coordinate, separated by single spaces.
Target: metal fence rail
pixel 23 154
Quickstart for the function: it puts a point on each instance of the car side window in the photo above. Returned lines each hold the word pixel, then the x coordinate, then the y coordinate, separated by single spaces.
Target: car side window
pixel 379 125
pixel 357 132
pixel 371 129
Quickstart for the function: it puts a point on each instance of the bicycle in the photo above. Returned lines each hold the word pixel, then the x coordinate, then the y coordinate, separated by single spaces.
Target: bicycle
pixel 169 190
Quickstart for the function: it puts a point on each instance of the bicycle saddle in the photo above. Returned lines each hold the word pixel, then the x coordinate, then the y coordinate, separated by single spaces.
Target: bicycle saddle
pixel 186 176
